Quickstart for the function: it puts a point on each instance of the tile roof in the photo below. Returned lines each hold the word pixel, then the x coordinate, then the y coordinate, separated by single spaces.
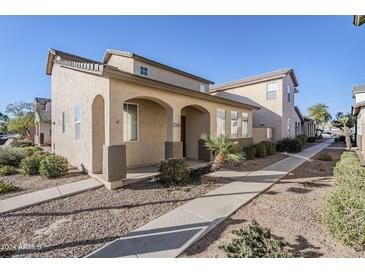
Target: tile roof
pixel 255 78
pixel 358 89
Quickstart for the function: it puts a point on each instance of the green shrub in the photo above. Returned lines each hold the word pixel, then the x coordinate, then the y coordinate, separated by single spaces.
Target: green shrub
pixel 344 216
pixel 311 139
pixel 30 151
pixel 196 173
pixel 325 157
pixel 174 172
pixel 270 147
pixel 250 152
pixel 53 166
pixel 255 242
pixel 30 165
pixel 7 170
pixel 289 145
pixel 303 138
pixel 11 156
pixel 348 171
pixel 6 187
pixel 261 150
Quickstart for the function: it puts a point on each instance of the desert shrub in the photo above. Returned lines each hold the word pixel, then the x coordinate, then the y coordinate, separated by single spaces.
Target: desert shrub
pixel 325 157
pixel 196 173
pixel 344 216
pixel 30 165
pixel 250 152
pixel 53 166
pixel 289 145
pixel 261 150
pixel 11 156
pixel 255 242
pixel 311 139
pixel 348 171
pixel 303 138
pixel 7 170
pixel 6 187
pixel 174 172
pixel 30 151
pixel 270 147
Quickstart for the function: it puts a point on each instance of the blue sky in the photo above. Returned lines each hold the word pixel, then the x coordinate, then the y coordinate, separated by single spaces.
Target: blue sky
pixel 326 52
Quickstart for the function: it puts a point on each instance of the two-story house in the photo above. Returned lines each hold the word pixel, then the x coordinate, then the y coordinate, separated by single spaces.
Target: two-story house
pixel 275 93
pixel 43 132
pixel 127 110
pixel 358 110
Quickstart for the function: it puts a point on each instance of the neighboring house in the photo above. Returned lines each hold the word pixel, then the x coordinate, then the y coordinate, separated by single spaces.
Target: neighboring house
pixel 43 132
pixel 358 110
pixel 128 111
pixel 274 92
pixel 309 127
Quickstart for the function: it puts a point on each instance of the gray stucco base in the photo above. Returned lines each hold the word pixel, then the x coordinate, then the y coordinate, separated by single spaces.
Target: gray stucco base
pixel 114 163
pixel 244 142
pixel 173 150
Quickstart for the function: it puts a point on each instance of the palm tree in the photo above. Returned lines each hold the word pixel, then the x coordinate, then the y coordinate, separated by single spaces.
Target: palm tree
pixel 345 122
pixel 319 112
pixel 225 150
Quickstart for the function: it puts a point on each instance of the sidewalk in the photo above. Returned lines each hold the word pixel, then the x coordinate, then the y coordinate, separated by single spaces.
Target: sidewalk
pixel 44 195
pixel 169 235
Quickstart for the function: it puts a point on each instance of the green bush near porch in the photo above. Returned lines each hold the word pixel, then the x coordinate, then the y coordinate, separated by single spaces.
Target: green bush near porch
pixel 291 145
pixel 174 172
pixel 7 170
pixel 53 166
pixel 30 165
pixel 11 156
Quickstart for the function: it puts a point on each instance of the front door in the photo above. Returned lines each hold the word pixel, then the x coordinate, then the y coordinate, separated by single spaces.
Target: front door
pixel 41 138
pixel 183 134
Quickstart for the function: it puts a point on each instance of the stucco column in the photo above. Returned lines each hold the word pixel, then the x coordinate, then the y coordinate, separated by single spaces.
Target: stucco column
pixel 173 145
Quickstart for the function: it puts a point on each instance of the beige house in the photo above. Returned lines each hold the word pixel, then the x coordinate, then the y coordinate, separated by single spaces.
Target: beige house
pixel 274 92
pixel 43 133
pixel 358 110
pixel 127 111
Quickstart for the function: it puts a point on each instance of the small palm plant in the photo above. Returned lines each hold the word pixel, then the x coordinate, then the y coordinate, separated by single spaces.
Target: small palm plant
pixel 225 150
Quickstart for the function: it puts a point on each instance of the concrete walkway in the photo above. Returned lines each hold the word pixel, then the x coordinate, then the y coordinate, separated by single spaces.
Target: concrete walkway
pixel 169 235
pixel 44 195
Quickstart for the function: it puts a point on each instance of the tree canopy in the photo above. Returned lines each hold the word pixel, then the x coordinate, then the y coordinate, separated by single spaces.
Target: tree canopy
pixel 21 118
pixel 342 120
pixel 319 112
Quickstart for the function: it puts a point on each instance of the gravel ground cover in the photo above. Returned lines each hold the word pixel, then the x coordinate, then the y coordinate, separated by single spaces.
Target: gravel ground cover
pixel 291 209
pixel 77 225
pixel 27 184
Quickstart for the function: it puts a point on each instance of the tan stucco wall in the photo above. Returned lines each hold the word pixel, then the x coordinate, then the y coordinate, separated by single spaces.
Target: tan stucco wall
pixel 71 88
pixel 261 134
pixel 150 147
pixel 42 127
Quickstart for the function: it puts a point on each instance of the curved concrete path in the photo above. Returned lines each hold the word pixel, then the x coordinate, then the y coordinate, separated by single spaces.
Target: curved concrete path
pixel 169 235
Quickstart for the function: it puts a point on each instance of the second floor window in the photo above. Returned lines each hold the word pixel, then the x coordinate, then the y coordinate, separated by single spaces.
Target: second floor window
pixel 234 124
pixel 288 125
pixel 221 122
pixel 244 124
pixel 143 70
pixel 288 89
pixel 272 89
pixel 77 122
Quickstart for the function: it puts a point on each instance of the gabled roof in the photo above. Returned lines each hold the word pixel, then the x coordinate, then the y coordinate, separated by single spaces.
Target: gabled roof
pixel 358 89
pixel 299 113
pixel 128 54
pixel 257 78
pixel 42 100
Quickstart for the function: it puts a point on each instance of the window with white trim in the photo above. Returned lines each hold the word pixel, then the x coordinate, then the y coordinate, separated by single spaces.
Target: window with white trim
pixel 234 124
pixel 221 121
pixel 203 88
pixel 143 70
pixel 130 122
pixel 63 122
pixel 77 122
pixel 271 91
pixel 288 90
pixel 244 124
pixel 288 125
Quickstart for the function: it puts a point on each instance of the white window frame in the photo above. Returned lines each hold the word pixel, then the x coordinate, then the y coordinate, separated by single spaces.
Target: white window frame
pixel 246 120
pixel 225 122
pixel 236 133
pixel 78 122
pixel 271 91
pixel 137 140
pixel 288 125
pixel 142 68
pixel 63 122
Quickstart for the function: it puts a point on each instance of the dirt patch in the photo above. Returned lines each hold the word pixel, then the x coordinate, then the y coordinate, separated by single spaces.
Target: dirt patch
pixel 256 164
pixel 291 209
pixel 27 184
pixel 77 225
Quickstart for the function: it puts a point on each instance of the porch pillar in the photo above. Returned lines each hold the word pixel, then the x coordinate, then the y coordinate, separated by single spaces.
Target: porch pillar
pixel 173 145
